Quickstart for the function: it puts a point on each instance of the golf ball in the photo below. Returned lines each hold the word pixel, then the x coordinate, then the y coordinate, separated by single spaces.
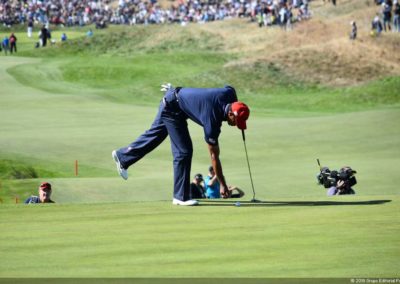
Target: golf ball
pixel 237 203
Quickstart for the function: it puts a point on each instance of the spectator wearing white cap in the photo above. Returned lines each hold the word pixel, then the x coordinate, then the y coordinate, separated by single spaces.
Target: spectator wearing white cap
pixel 387 16
pixel 353 34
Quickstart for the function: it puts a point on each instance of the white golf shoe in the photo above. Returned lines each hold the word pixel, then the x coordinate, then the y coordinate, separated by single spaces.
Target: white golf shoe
pixel 185 203
pixel 122 172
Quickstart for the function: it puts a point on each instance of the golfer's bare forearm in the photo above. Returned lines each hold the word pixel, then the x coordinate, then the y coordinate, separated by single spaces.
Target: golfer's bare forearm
pixel 216 163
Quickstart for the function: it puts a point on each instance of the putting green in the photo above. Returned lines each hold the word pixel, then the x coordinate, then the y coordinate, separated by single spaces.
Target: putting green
pixel 342 237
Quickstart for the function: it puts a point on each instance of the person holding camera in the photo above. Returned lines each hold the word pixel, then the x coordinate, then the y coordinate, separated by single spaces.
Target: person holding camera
pixel 337 182
pixel 341 188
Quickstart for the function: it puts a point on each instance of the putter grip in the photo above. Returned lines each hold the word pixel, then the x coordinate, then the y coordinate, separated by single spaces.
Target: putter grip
pixel 243 136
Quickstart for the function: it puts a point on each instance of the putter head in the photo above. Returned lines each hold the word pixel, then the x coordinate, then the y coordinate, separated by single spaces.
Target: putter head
pixel 255 200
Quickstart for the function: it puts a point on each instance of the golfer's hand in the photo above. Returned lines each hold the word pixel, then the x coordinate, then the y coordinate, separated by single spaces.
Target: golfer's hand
pixel 165 87
pixel 224 191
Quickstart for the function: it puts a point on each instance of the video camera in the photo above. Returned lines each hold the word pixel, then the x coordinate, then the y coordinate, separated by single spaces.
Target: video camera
pixel 329 178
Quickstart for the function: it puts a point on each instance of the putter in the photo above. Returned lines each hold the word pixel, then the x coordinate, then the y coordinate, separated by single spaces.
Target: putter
pixel 248 164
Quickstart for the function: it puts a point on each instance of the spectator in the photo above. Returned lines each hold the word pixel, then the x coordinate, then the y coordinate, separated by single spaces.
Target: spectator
pixel 6 44
pixel 100 13
pixel 89 33
pixel 387 16
pixel 260 20
pixel 289 16
pixel 340 189
pixel 396 16
pixel 44 33
pixel 44 194
pixel 377 26
pixel 212 187
pixel 49 35
pixel 196 187
pixel 353 34
pixel 13 43
pixel 235 192
pixel 211 184
pixel 30 28
pixel 63 37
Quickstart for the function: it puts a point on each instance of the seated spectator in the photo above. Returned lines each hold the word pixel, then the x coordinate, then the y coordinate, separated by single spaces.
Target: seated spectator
pixel 63 37
pixel 212 187
pixel 235 192
pixel 211 184
pixel 89 33
pixel 44 194
pixel 196 187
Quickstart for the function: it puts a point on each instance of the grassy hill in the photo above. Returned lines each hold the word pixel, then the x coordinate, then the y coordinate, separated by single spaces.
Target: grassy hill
pixel 313 94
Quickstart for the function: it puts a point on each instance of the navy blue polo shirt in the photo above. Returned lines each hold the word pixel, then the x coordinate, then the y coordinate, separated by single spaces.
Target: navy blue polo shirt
pixel 208 108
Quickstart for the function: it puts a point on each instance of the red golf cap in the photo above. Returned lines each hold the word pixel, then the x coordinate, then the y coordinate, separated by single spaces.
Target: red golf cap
pixel 242 112
pixel 45 185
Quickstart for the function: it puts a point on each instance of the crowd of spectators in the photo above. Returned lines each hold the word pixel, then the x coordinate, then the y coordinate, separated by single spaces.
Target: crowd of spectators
pixel 132 12
pixel 390 13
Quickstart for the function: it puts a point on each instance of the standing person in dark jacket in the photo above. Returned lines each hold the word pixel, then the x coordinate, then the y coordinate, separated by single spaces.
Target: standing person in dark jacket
pixel 387 16
pixel 208 108
pixel 13 43
pixel 44 35
pixel 396 16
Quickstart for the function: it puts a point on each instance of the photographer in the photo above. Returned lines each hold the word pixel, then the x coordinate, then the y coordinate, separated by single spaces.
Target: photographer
pixel 340 189
pixel 337 183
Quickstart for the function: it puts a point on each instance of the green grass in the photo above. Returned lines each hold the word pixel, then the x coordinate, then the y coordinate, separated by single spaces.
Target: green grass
pixel 81 100
pixel 128 65
pixel 288 238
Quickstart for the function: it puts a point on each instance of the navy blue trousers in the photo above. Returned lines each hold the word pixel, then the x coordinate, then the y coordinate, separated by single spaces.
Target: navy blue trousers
pixel 169 121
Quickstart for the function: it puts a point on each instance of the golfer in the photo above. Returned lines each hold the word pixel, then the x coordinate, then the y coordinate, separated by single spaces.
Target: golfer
pixel 208 108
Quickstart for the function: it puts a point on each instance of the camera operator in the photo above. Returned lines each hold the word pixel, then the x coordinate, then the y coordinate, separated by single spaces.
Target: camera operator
pixel 341 188
pixel 337 183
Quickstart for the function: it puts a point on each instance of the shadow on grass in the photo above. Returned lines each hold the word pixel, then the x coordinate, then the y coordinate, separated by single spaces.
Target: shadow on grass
pixel 208 202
